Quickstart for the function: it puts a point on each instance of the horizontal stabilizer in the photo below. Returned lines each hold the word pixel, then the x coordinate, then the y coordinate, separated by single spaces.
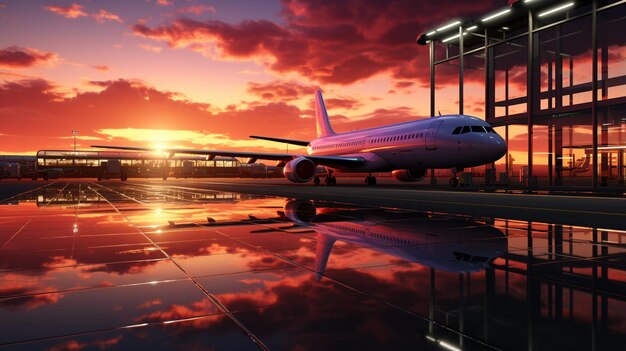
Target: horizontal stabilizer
pixel 280 140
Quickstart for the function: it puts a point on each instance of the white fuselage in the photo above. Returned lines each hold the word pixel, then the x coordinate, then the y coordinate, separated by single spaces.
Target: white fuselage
pixel 421 144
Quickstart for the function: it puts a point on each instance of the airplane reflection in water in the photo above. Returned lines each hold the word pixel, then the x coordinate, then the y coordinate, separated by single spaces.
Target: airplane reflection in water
pixel 455 245
pixel 450 244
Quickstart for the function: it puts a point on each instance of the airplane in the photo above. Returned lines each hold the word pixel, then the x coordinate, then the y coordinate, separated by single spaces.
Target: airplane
pixel 406 149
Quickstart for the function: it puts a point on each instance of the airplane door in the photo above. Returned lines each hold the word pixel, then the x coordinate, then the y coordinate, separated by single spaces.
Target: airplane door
pixel 431 135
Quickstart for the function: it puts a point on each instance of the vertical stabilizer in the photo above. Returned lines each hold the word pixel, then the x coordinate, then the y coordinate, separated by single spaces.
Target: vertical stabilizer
pixel 321 117
pixel 322 253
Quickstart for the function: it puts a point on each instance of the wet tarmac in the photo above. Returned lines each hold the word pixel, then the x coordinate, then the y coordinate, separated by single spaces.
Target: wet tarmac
pixel 95 266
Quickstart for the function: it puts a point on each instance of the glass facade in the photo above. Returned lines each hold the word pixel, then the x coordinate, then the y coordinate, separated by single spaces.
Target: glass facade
pixel 556 92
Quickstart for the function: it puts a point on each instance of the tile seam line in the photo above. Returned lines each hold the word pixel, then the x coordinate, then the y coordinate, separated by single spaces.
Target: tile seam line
pixel 31 218
pixel 28 191
pixel 210 296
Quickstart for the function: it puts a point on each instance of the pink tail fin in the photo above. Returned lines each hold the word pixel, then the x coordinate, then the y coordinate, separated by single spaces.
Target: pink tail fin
pixel 321 117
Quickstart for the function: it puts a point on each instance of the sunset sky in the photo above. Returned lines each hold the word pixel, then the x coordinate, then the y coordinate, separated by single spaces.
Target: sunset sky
pixel 207 74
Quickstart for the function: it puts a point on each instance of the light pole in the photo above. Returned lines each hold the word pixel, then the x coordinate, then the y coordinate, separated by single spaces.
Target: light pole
pixel 75 133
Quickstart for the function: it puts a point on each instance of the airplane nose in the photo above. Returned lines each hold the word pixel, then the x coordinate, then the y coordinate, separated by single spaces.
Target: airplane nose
pixel 495 147
pixel 499 146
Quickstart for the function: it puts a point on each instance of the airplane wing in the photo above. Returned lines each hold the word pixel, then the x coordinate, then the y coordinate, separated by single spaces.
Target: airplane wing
pixel 280 140
pixel 343 161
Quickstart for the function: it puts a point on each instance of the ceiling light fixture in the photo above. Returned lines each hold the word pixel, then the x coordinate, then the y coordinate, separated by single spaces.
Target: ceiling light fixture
pixel 448 26
pixel 495 15
pixel 556 9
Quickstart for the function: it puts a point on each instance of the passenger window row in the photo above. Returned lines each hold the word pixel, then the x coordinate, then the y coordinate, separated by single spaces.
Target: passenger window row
pixel 372 141
pixel 373 234
pixel 473 129
pixel 396 138
pixel 334 146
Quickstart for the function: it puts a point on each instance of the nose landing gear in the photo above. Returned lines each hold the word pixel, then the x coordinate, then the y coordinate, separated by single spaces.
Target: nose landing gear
pixel 370 180
pixel 454 181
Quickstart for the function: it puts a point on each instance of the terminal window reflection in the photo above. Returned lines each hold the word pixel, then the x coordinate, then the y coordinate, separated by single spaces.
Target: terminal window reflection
pixel 612 53
pixel 509 77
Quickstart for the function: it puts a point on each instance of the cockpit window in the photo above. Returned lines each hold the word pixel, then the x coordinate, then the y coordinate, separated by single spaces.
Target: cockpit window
pixel 466 129
pixel 490 130
pixel 478 129
pixel 457 130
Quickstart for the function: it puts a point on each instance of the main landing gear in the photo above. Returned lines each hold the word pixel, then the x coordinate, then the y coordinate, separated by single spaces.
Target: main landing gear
pixel 329 180
pixel 370 180
pixel 454 181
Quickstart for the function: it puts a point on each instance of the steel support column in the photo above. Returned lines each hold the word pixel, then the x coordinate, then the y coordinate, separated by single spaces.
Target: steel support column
pixel 530 95
pixel 432 95
pixel 460 70
pixel 594 91
pixel 431 49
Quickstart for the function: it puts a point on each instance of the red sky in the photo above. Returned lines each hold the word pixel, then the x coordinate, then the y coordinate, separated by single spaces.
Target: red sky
pixel 207 74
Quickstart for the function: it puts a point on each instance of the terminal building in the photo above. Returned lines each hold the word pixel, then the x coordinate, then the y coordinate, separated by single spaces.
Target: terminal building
pixel 550 77
pixel 128 164
pixel 48 164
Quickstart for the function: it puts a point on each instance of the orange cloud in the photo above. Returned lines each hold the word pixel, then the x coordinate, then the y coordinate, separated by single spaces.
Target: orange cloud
pixel 71 345
pixel 104 16
pixel 345 103
pixel 72 11
pixel 152 48
pixel 196 9
pixel 281 90
pixel 403 84
pixel 17 57
pixel 101 68
pixel 150 303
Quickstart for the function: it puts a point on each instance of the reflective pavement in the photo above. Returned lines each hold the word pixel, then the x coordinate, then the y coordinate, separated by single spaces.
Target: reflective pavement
pixel 96 266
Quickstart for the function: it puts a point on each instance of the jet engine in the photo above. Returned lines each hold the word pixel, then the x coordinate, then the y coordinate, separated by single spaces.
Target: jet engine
pixel 299 170
pixel 300 212
pixel 409 175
